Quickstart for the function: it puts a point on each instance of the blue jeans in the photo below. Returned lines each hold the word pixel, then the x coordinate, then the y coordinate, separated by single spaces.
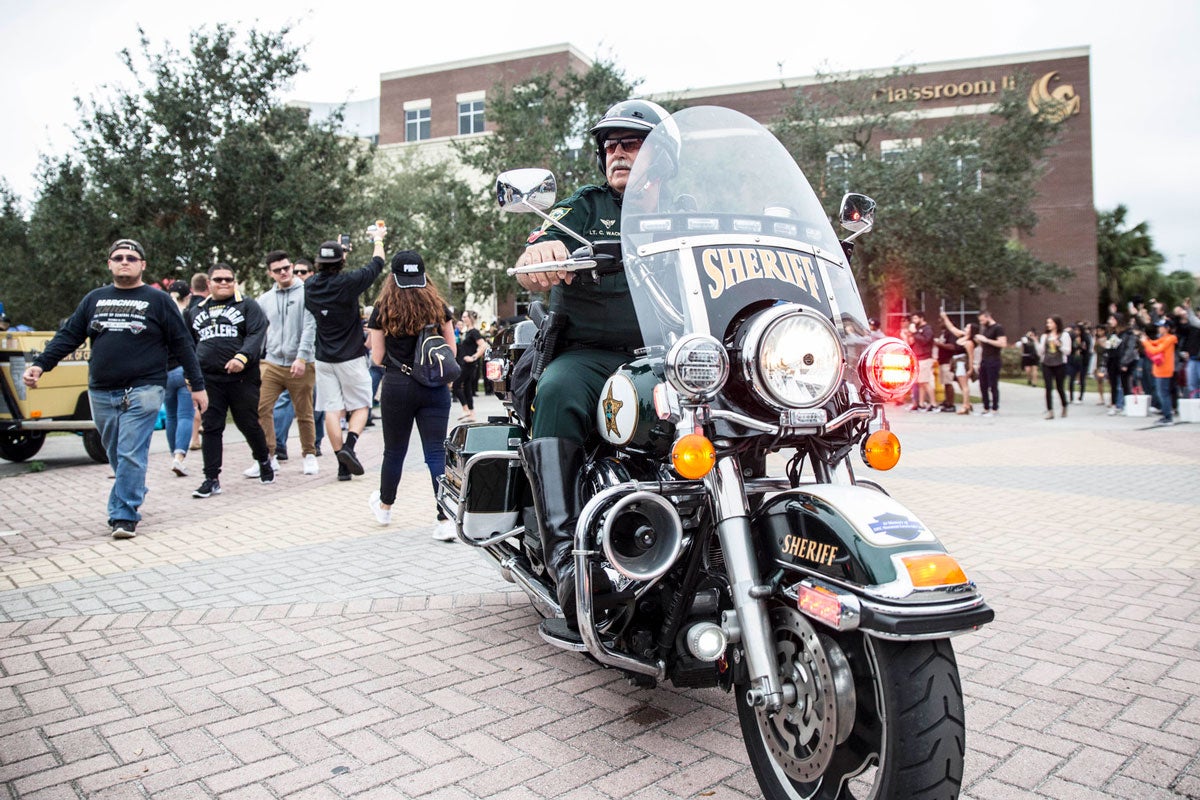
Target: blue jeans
pixel 1163 385
pixel 285 413
pixel 1193 376
pixel 125 419
pixel 178 400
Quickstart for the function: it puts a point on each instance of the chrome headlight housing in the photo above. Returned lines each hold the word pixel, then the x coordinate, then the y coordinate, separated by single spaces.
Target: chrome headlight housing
pixel 792 357
pixel 697 366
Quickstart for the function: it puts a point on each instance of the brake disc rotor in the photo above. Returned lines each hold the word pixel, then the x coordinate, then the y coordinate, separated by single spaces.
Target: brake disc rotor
pixel 801 736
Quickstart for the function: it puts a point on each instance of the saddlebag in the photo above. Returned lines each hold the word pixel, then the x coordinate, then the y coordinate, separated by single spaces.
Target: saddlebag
pixel 484 485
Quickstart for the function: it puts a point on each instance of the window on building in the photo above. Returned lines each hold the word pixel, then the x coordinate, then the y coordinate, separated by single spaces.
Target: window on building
pixel 837 167
pixel 524 298
pixel 969 171
pixel 417 118
pixel 470 117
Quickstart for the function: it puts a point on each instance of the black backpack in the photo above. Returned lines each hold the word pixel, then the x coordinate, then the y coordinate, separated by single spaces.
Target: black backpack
pixel 433 360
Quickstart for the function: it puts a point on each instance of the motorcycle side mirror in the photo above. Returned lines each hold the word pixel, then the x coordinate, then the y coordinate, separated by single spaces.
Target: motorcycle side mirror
pixel 532 190
pixel 857 214
pixel 522 190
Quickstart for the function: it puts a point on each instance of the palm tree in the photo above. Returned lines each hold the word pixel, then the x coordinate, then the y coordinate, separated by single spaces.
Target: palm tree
pixel 1125 259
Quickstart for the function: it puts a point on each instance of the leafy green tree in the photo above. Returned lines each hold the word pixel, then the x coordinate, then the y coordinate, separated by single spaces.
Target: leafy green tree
pixel 201 162
pixel 544 123
pixel 951 205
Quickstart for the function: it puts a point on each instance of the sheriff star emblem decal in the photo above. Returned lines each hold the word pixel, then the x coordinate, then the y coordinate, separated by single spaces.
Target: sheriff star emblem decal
pixel 611 406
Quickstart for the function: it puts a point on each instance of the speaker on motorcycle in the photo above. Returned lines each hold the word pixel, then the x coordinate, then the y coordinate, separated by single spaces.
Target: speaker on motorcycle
pixel 642 536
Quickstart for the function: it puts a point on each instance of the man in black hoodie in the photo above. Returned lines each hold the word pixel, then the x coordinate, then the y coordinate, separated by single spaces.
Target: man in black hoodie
pixel 230 330
pixel 343 379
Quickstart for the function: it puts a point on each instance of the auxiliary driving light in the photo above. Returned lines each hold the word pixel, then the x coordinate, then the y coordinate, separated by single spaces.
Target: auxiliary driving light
pixel 706 641
pixel 888 368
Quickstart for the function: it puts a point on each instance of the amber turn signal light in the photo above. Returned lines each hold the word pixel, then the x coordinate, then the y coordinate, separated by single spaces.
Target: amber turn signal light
pixel 881 450
pixel 693 456
pixel 934 569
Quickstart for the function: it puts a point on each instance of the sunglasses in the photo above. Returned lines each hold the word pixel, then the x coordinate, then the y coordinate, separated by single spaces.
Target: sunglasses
pixel 301 271
pixel 630 144
pixel 277 270
pixel 125 259
pixel 221 280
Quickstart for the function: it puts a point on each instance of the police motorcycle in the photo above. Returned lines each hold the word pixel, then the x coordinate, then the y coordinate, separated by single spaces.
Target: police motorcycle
pixel 723 502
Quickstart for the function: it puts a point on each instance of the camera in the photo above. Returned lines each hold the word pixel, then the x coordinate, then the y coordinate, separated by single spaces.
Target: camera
pixel 344 239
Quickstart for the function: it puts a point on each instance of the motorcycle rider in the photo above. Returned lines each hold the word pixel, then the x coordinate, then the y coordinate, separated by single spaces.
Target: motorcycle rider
pixel 600 333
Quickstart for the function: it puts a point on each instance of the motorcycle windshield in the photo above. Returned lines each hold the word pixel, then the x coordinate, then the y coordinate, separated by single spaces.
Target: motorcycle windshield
pixel 718 218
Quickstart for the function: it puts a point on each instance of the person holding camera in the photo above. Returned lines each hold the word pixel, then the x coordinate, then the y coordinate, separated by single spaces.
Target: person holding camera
pixel 919 334
pixel 343 379
pixel 1160 351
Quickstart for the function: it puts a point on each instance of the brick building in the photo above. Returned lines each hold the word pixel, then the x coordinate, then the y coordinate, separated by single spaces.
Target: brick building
pixel 425 108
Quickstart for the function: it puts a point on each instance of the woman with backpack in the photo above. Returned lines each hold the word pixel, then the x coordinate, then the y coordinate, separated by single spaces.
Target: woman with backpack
pixel 1054 348
pixel 408 306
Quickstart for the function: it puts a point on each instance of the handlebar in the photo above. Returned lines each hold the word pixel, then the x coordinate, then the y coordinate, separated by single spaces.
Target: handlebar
pixel 570 265
pixel 601 263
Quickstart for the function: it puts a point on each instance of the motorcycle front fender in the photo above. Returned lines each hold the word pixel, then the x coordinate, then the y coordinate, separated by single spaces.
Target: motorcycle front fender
pixel 857 541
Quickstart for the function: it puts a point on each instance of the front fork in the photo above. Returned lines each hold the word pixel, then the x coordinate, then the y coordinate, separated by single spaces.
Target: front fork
pixel 750 594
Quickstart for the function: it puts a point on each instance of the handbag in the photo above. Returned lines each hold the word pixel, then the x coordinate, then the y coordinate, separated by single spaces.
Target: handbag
pixel 433 360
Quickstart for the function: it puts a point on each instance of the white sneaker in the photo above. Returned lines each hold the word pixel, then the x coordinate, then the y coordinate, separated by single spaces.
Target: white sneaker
pixel 444 531
pixel 179 468
pixel 252 470
pixel 382 515
pixel 311 467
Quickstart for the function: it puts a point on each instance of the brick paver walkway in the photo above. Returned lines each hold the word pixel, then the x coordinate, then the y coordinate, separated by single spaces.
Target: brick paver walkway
pixel 274 642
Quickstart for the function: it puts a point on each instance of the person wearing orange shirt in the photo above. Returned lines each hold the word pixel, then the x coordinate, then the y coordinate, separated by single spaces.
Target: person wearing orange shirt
pixel 1161 352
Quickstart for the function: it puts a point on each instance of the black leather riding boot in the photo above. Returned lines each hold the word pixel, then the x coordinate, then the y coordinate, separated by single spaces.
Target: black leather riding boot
pixel 554 468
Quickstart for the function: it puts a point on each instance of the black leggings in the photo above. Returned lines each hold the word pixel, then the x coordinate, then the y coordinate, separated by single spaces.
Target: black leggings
pixel 1057 374
pixel 1119 381
pixel 403 402
pixel 464 387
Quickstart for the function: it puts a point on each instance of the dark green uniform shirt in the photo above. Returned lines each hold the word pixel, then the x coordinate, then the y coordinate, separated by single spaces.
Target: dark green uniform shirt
pixel 601 314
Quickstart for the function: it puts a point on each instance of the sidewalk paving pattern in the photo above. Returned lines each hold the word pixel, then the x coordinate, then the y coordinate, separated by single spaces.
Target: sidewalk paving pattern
pixel 275 642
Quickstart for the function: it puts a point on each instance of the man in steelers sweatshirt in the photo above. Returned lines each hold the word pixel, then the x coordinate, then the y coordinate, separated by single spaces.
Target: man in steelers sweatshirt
pixel 230 330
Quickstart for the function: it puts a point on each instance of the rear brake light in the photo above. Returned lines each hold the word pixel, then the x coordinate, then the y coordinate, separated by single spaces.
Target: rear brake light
pixel 888 369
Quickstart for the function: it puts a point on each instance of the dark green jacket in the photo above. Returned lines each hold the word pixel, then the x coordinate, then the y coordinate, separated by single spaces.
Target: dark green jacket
pixel 601 314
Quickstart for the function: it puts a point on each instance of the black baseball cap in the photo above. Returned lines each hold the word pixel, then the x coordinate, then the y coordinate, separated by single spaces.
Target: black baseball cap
pixel 330 253
pixel 408 269
pixel 127 244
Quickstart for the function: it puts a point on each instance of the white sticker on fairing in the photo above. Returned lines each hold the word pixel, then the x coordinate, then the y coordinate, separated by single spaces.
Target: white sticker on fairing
pixel 617 411
pixel 881 520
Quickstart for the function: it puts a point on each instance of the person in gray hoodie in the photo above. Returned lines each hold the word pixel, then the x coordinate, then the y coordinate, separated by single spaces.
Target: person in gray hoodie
pixel 288 361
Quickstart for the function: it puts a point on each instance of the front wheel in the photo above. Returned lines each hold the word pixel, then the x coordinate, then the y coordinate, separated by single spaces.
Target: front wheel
pixel 871 719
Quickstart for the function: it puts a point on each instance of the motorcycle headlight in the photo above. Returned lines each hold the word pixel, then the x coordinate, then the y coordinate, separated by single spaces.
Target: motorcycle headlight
pixel 792 357
pixel 697 366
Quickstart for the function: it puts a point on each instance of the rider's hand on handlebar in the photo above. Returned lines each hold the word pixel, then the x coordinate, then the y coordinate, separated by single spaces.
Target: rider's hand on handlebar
pixel 540 253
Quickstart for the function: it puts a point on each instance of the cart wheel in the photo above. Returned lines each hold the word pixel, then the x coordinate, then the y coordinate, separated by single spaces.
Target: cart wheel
pixel 20 446
pixel 95 447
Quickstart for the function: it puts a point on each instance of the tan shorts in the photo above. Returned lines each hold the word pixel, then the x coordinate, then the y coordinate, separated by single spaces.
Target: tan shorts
pixel 945 374
pixel 343 385
pixel 925 371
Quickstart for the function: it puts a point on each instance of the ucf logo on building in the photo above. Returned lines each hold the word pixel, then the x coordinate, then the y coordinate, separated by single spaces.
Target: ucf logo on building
pixel 1059 104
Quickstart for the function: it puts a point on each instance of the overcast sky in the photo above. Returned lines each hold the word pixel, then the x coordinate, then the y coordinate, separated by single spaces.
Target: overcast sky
pixel 1144 63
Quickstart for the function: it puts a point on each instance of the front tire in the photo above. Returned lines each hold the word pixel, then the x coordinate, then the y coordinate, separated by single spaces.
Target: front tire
pixel 908 735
